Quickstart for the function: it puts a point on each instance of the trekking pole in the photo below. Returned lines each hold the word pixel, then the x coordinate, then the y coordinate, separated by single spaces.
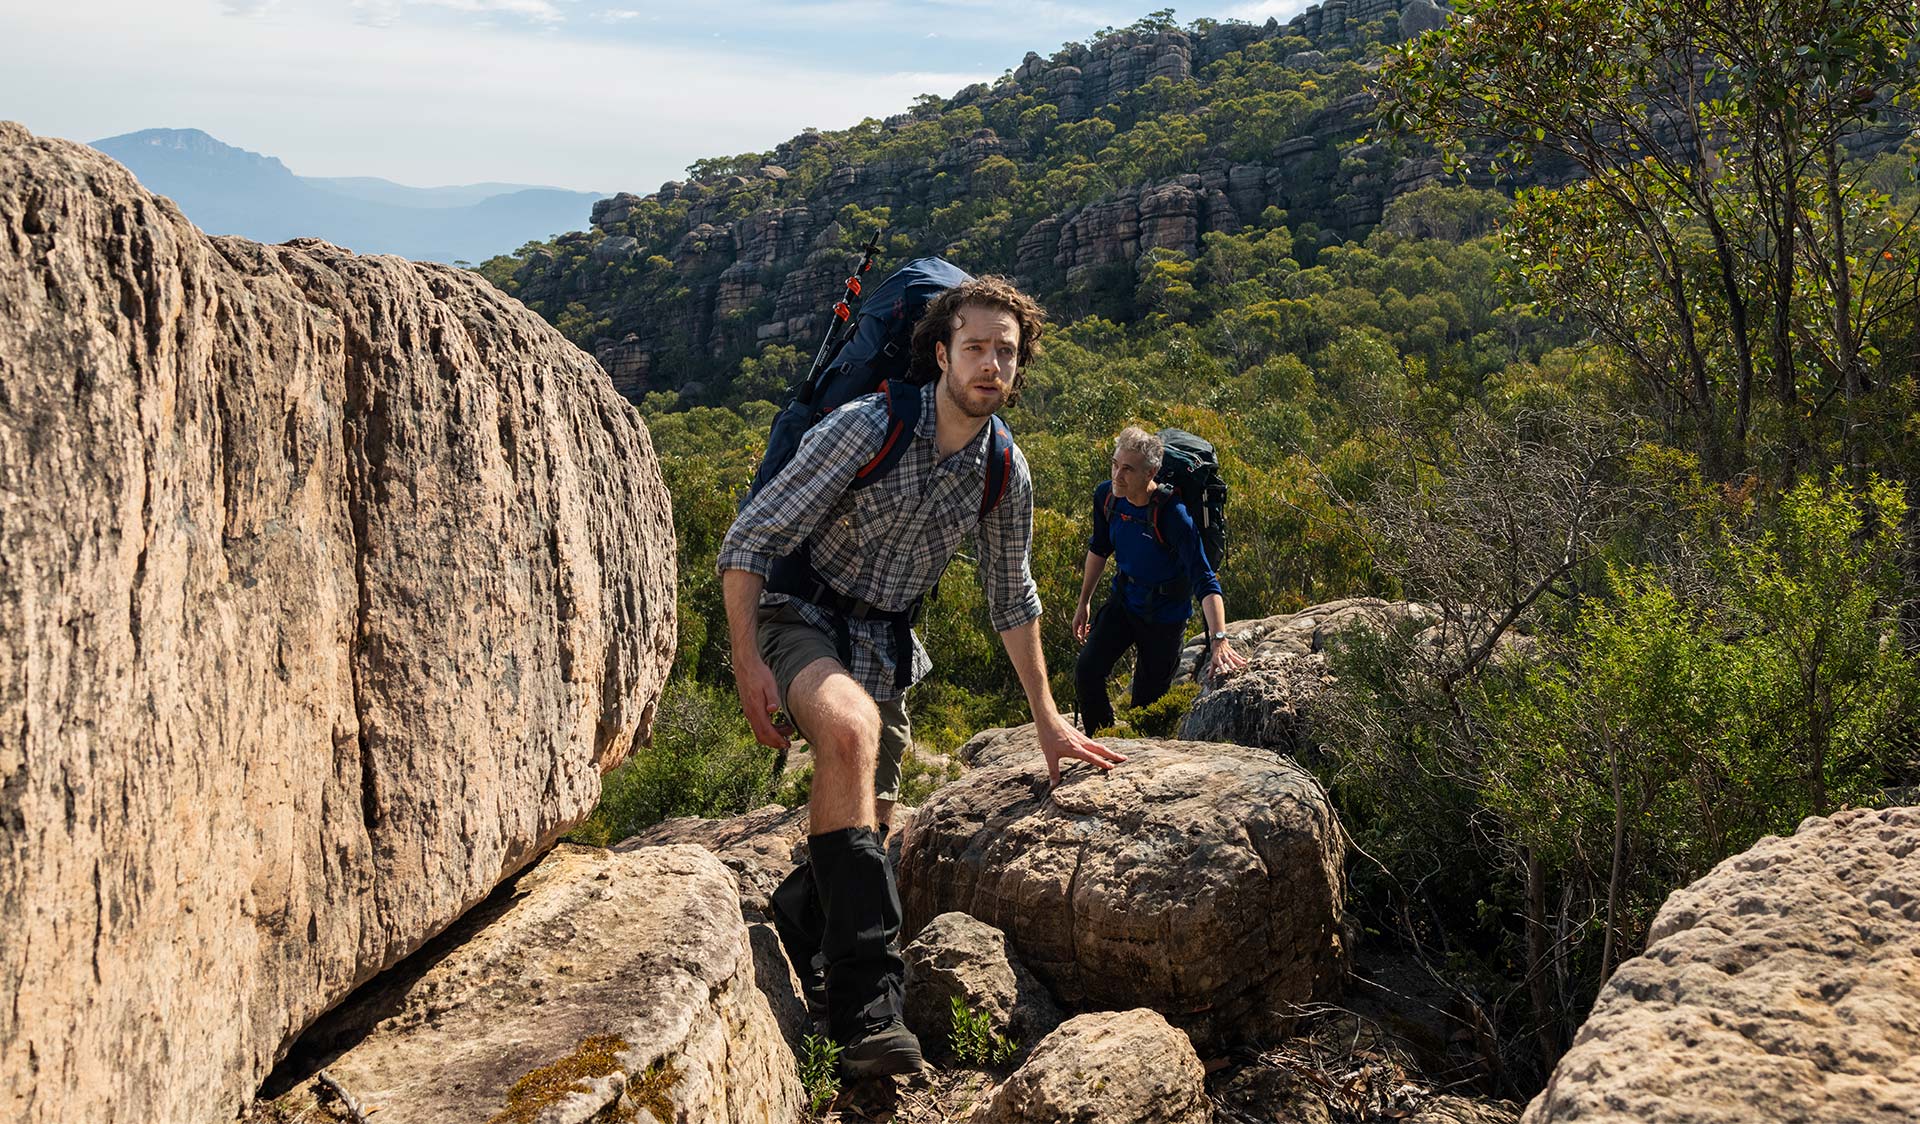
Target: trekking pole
pixel 843 315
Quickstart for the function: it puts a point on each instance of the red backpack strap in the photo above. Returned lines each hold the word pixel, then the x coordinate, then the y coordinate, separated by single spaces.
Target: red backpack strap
pixel 903 414
pixel 999 465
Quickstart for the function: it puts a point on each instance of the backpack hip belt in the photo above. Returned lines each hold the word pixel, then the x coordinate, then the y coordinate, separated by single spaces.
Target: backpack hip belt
pixel 795 576
pixel 1173 589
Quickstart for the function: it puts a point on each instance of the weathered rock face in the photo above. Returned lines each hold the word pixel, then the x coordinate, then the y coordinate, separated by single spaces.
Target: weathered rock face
pixel 1116 1067
pixel 608 983
pixel 758 846
pixel 1785 985
pixel 957 957
pixel 1268 704
pixel 1310 629
pixel 1204 881
pixel 328 587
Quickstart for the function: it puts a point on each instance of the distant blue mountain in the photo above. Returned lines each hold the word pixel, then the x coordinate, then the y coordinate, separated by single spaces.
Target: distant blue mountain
pixel 228 190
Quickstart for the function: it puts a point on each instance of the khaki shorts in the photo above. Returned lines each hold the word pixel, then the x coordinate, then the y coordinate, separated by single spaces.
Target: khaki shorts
pixel 788 644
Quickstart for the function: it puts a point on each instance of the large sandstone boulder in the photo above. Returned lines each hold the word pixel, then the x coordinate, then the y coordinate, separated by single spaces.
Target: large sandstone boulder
pixel 1113 1067
pixel 329 586
pixel 608 982
pixel 1784 985
pixel 759 849
pixel 1204 881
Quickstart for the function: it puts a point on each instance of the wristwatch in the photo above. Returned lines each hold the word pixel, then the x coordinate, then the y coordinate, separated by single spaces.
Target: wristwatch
pixel 1216 637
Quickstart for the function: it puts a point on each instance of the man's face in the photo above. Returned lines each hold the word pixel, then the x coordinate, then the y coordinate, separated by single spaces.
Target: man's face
pixel 980 359
pixel 1130 476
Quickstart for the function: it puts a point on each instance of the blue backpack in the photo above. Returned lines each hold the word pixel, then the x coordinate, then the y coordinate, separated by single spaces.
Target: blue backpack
pixel 861 355
pixel 873 351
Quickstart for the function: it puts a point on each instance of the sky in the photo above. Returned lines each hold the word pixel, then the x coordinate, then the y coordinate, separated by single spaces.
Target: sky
pixel 594 95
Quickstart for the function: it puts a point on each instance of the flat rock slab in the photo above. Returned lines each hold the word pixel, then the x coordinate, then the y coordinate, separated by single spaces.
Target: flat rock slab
pixel 609 984
pixel 758 846
pixel 330 587
pixel 1784 985
pixel 1110 1067
pixel 1204 881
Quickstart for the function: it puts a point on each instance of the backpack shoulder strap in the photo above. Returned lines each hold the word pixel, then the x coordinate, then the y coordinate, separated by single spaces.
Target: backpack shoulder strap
pixel 1161 499
pixel 999 465
pixel 903 414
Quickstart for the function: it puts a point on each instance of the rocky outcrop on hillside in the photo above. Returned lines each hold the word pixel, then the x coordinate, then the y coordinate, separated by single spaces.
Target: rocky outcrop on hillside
pixel 759 251
pixel 329 586
pixel 1204 881
pixel 1784 985
pixel 607 983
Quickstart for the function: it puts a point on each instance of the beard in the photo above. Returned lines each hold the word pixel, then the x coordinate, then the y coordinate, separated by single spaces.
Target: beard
pixel 964 400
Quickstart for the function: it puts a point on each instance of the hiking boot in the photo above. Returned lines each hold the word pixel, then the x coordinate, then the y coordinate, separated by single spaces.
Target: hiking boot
pixel 884 1049
pixel 813 988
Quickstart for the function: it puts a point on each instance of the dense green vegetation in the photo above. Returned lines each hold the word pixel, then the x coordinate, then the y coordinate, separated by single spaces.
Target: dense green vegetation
pixel 1644 441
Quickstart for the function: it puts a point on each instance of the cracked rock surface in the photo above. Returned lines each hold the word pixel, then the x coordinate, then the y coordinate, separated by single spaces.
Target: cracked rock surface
pixel 329 586
pixel 1201 880
pixel 1784 985
pixel 604 983
pixel 1116 1067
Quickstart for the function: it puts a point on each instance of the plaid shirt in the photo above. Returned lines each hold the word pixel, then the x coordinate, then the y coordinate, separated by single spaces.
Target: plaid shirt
pixel 888 543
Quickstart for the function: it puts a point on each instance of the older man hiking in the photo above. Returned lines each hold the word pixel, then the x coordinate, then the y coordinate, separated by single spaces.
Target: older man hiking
pixel 1162 565
pixel 835 648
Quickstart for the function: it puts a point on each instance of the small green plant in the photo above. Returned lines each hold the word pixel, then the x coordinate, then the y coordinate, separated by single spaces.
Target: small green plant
pixel 819 1070
pixel 1161 717
pixel 974 1040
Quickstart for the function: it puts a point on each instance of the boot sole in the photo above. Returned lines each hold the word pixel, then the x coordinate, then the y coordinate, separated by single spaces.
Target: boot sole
pixel 899 1059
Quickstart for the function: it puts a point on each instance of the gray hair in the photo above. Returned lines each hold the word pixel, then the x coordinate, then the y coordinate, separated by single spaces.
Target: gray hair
pixel 1133 439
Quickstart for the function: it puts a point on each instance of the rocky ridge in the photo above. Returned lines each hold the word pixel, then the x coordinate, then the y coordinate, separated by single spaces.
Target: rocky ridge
pixel 754 259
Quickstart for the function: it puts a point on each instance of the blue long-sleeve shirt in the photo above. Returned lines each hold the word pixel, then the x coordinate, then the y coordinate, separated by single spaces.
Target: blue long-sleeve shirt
pixel 1129 540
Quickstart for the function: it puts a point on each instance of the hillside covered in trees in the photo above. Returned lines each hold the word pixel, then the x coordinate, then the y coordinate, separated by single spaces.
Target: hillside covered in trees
pixel 1591 325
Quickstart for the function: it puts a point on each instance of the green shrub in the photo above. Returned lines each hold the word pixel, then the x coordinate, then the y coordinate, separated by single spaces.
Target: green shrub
pixel 1161 717
pixel 974 1040
pixel 702 761
pixel 819 1070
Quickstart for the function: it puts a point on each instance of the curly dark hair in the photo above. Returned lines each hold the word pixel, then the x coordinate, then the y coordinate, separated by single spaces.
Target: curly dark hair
pixel 999 293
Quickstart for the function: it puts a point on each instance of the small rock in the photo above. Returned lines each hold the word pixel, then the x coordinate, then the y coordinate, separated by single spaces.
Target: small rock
pixel 1115 1067
pixel 957 957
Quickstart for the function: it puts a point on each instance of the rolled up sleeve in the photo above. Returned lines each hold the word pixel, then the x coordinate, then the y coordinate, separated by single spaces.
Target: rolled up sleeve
pixel 1006 550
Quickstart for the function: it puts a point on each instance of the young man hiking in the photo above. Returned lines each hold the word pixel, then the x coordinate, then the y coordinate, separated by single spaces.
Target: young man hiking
pixel 1162 566
pixel 840 657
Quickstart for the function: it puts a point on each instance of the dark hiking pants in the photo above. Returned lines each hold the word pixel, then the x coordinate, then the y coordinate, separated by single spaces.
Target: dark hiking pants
pixel 843 902
pixel 1156 656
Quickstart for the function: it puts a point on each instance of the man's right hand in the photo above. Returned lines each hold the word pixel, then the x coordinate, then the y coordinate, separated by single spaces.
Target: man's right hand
pixel 760 699
pixel 1080 625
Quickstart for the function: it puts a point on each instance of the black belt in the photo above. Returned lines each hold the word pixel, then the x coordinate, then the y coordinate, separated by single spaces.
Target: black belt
pixel 1173 589
pixel 795 576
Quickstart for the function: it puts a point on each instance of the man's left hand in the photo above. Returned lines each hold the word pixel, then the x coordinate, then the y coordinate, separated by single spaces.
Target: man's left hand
pixel 1225 661
pixel 1059 740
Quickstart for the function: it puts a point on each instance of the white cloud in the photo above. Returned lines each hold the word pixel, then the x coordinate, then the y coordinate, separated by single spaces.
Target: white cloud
pixel 419 103
pixel 386 13
pixel 1262 10
pixel 600 94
